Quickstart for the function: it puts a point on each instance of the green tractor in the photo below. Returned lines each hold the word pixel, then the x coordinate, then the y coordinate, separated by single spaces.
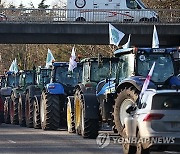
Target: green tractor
pixel 32 98
pixel 83 117
pixel 17 102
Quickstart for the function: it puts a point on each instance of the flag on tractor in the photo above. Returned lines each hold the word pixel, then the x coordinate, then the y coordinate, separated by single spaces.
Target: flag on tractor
pixel 127 45
pixel 115 36
pixel 72 61
pixel 155 39
pixel 49 59
pixel 14 67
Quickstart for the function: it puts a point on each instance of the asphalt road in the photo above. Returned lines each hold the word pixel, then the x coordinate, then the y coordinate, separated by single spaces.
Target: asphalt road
pixel 20 140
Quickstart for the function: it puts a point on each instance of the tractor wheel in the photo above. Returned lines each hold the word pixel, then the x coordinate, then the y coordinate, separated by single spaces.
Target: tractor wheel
pixel 140 149
pixel 14 110
pixel 77 109
pixel 88 128
pixel 127 147
pixel 124 98
pixel 7 111
pixel 36 114
pixel 50 111
pixel 21 111
pixel 70 115
pixel 29 111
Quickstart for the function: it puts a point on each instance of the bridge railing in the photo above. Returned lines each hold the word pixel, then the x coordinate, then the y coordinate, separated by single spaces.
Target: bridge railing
pixel 89 15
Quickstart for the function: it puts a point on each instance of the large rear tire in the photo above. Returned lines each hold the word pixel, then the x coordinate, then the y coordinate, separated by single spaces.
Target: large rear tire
pixel 124 98
pixel 88 128
pixel 70 115
pixel 29 111
pixel 50 111
pixel 127 147
pixel 140 149
pixel 36 114
pixel 7 110
pixel 21 111
pixel 14 110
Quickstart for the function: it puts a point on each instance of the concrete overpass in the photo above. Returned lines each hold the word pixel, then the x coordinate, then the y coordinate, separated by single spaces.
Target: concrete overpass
pixel 86 33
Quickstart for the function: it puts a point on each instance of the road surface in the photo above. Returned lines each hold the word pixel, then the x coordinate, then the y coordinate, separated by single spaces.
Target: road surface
pixel 20 140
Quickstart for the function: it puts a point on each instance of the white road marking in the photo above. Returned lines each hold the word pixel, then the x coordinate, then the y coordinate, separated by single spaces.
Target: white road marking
pixel 11 141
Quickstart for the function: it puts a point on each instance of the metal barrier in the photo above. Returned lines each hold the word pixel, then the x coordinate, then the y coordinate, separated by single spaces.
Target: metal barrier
pixel 89 15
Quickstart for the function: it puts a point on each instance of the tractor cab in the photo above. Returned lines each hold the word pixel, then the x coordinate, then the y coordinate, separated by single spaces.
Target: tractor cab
pixel 64 79
pixel 135 63
pixel 27 77
pixel 43 76
pixel 97 69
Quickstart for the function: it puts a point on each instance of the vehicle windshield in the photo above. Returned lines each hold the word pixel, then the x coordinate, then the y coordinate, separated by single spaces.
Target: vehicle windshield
pixel 132 4
pixel 44 77
pixel 99 73
pixel 65 77
pixel 163 66
pixel 12 81
pixel 29 78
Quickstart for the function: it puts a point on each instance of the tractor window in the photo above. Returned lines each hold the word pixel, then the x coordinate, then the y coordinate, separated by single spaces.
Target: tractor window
pixel 12 81
pixel 163 66
pixel 44 76
pixel 125 66
pixel 29 78
pixel 86 73
pixel 68 78
pixel 100 73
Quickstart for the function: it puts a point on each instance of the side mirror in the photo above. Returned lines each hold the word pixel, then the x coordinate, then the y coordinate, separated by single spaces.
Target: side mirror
pixel 130 108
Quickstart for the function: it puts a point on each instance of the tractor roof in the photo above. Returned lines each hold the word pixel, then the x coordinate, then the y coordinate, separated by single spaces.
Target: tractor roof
pixel 95 59
pixel 146 50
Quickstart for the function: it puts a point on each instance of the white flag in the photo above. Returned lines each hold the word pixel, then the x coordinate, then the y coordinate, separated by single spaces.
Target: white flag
pixel 127 45
pixel 49 58
pixel 146 82
pixel 11 67
pixel 155 40
pixel 15 68
pixel 72 60
pixel 115 36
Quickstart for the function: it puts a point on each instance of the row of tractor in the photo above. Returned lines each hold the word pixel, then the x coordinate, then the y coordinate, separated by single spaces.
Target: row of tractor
pixel 92 97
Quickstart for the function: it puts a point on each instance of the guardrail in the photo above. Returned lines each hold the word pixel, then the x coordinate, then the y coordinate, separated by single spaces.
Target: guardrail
pixel 89 15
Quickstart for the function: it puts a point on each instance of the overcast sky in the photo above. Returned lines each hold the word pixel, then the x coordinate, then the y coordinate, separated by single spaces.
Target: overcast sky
pixel 35 2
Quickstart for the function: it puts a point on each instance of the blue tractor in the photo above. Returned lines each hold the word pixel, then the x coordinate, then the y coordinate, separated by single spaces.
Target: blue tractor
pixel 54 95
pixel 134 65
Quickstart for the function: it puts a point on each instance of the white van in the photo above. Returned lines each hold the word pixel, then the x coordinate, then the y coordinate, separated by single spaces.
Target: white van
pixel 109 11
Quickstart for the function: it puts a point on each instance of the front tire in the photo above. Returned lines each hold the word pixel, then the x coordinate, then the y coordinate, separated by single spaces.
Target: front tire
pixel 70 115
pixel 14 110
pixel 124 98
pixel 7 110
pixel 140 149
pixel 29 111
pixel 50 111
pixel 36 114
pixel 21 111
pixel 127 147
pixel 88 128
